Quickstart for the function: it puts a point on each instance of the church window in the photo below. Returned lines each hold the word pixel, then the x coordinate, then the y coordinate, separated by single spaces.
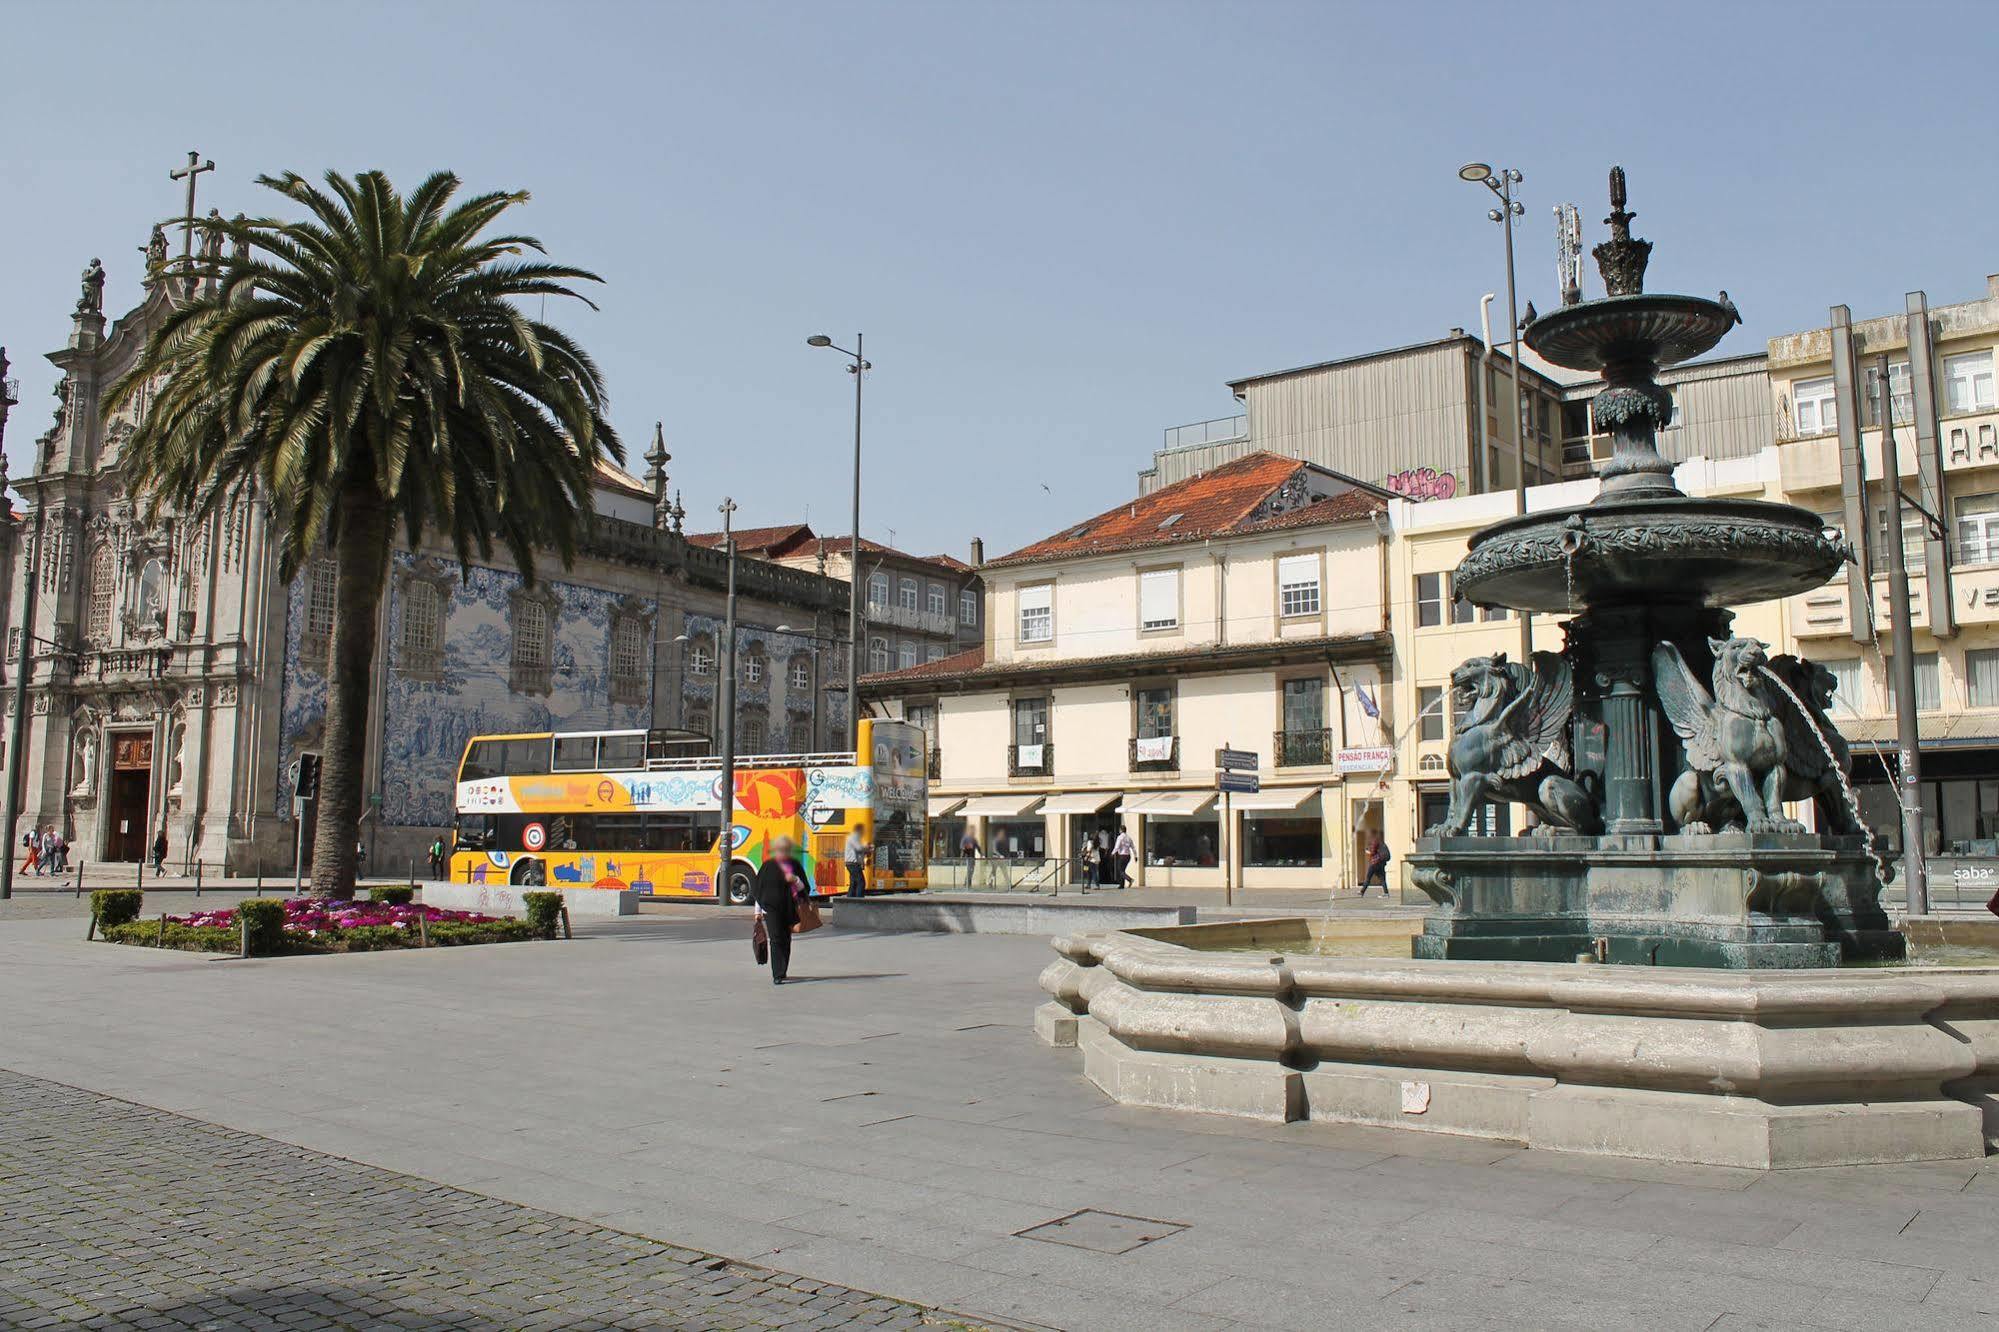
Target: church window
pixel 628 659
pixel 97 614
pixel 751 739
pixel 698 718
pixel 534 641
pixel 799 740
pixel 801 672
pixel 753 668
pixel 320 599
pixel 420 620
pixel 701 656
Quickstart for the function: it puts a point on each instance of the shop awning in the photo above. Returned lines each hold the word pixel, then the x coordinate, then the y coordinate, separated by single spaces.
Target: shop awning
pixel 942 805
pixel 1282 798
pixel 1000 806
pixel 1933 728
pixel 1167 802
pixel 1080 802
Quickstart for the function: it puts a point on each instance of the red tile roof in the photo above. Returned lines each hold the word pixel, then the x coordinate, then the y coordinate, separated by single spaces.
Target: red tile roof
pixel 1225 499
pixel 617 478
pixel 958 663
pixel 757 540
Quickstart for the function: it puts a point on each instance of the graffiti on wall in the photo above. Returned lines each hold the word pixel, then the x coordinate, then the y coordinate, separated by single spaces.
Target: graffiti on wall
pixel 1423 483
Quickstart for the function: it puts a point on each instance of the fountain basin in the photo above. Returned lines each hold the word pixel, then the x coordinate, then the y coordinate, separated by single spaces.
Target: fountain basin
pixel 1708 552
pixel 1655 330
pixel 1758 1069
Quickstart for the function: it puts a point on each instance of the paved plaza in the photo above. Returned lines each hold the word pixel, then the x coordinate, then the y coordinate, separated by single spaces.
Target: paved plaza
pixel 889 1126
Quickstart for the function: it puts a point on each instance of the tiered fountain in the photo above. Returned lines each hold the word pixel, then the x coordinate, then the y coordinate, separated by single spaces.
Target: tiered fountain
pixel 1660 753
pixel 1657 750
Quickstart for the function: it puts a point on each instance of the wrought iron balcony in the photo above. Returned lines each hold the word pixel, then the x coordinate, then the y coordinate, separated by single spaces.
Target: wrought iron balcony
pixel 1039 760
pixel 1302 749
pixel 1153 762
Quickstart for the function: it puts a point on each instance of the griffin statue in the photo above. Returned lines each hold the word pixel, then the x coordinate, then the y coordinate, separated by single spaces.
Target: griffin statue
pixel 1512 742
pixel 1748 747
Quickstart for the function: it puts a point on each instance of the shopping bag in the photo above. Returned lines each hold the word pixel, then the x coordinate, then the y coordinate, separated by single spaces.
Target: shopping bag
pixel 809 918
pixel 760 941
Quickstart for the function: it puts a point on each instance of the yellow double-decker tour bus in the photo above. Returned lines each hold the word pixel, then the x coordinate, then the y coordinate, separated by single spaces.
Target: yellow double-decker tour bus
pixel 641 811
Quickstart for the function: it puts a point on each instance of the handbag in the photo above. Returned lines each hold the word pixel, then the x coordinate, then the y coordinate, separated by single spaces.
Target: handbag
pixel 760 941
pixel 809 918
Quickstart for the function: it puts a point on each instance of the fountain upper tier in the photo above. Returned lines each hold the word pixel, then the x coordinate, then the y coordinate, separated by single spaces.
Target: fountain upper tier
pixel 1710 552
pixel 1640 330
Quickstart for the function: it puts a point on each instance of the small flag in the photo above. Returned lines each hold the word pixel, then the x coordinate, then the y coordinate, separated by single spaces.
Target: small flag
pixel 1367 703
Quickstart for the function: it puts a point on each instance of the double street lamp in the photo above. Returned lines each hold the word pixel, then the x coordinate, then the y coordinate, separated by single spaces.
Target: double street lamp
pixel 857 366
pixel 1501 183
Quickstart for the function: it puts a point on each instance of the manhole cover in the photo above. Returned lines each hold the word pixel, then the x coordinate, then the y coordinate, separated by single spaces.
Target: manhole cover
pixel 1105 1232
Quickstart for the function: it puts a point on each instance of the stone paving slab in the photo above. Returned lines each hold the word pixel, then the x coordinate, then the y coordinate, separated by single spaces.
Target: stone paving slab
pixel 114 1215
pixel 646 1078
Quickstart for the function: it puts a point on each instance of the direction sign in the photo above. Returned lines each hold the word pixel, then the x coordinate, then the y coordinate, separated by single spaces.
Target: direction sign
pixel 1236 760
pixel 1242 783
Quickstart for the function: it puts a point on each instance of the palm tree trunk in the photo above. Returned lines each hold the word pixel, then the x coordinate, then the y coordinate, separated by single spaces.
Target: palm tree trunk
pixel 362 553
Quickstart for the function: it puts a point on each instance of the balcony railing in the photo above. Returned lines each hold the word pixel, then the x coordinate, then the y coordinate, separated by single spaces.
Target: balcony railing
pixel 935 768
pixel 1154 762
pixel 902 617
pixel 1302 749
pixel 1207 432
pixel 1035 761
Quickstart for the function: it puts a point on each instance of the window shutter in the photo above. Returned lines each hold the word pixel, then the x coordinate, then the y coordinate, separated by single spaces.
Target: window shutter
pixel 1159 598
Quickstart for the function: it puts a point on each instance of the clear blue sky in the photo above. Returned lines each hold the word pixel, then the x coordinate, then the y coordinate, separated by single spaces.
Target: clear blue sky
pixel 1062 226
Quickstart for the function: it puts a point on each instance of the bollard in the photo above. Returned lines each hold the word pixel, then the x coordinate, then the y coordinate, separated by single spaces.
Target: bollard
pixel 197 878
pixel 160 939
pixel 422 930
pixel 91 931
pixel 243 928
pixel 565 922
pixel 140 868
pixel 260 874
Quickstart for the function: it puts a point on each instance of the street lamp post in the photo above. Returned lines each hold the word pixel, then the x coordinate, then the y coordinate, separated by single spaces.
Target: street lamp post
pixel 725 846
pixel 1501 183
pixel 858 366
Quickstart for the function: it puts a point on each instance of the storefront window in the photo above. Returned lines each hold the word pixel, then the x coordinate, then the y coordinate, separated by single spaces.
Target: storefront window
pixel 945 837
pixel 1281 841
pixel 1017 839
pixel 1170 840
pixel 1490 821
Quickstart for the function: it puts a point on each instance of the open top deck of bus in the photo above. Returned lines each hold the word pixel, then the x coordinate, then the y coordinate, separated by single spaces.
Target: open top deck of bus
pixel 660 750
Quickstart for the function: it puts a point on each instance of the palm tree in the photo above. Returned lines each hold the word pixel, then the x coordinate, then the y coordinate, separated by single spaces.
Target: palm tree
pixel 372 371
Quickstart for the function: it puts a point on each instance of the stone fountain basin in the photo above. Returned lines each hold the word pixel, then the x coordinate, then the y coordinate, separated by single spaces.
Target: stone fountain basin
pixel 1758 1069
pixel 1655 329
pixel 1710 552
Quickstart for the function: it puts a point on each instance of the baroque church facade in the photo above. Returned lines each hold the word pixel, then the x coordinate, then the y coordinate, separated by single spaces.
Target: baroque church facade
pixel 173 679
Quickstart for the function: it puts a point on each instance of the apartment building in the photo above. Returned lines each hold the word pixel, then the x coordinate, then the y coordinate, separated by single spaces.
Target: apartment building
pixel 916 608
pixel 1242 609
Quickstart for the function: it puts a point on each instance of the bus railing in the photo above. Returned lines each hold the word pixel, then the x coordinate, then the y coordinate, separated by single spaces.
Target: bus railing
pixel 1014 874
pixel 835 758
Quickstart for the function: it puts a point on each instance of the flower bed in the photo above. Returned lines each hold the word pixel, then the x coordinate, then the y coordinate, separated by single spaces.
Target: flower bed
pixel 321 925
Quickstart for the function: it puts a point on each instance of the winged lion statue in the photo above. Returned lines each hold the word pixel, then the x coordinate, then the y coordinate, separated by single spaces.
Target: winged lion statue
pixel 1745 749
pixel 1511 742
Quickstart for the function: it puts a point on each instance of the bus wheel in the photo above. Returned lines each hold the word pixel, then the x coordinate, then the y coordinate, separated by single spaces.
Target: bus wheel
pixel 527 874
pixel 742 883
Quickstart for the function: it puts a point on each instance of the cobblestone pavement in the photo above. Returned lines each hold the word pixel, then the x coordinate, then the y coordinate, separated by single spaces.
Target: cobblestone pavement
pixel 113 1215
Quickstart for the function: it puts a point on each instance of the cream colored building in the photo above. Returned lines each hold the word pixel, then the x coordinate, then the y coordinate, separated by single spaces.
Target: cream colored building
pixel 1242 609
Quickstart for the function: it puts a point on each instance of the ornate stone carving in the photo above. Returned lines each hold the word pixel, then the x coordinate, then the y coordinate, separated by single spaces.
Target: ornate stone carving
pixel 1512 742
pixel 1630 404
pixel 1742 538
pixel 1621 260
pixel 1735 739
pixel 225 696
pixel 83 763
pixel 91 301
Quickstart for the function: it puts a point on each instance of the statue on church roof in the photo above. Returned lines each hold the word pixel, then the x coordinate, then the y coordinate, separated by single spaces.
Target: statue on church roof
pixel 156 251
pixel 92 300
pixel 211 242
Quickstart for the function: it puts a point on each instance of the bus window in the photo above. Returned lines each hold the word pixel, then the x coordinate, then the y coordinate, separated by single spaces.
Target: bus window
pixel 482 759
pixel 567 832
pixel 615 832
pixel 525 758
pixel 575 753
pixel 477 832
pixel 682 831
pixel 618 752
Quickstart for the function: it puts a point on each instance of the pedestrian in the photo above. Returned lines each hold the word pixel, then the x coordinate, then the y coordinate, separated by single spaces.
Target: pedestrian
pixel 1376 864
pixel 1104 861
pixel 968 847
pixel 1122 851
pixel 437 857
pixel 48 849
pixel 160 852
pixel 857 863
pixel 32 840
pixel 1089 859
pixel 779 887
pixel 61 853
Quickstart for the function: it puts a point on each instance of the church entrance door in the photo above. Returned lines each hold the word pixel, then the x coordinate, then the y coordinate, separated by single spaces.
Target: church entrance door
pixel 129 797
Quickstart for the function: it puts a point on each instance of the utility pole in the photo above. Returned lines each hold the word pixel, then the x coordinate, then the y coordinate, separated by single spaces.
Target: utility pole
pixel 1915 874
pixel 17 730
pixel 725 848
pixel 857 366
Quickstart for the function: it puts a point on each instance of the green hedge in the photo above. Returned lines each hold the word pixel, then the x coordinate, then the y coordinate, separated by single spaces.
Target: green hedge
pixel 115 906
pixel 543 909
pixel 394 896
pixel 367 939
pixel 263 919
pixel 188 938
